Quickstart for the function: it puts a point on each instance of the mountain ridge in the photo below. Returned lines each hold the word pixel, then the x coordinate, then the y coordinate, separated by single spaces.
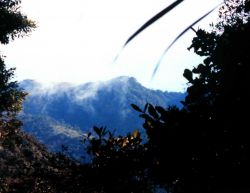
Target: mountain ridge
pixel 49 112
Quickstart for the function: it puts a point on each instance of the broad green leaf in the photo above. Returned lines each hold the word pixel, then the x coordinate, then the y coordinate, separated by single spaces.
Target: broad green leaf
pixel 146 117
pixel 135 107
pixel 145 108
pixel 188 75
pixel 152 111
pixel 200 68
pixel 160 109
pixel 98 131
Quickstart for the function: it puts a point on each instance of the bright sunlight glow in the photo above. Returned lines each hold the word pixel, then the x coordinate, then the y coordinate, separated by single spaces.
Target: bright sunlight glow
pixel 76 41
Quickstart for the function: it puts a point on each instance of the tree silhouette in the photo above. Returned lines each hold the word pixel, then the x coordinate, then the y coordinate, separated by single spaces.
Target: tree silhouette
pixel 204 147
pixel 12 24
pixel 117 162
pixel 206 144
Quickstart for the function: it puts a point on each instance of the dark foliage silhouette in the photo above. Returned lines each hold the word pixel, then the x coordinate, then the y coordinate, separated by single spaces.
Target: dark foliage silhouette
pixel 206 142
pixel 12 24
pixel 205 147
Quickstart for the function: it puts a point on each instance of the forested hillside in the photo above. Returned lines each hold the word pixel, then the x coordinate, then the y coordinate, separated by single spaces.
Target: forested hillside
pixel 62 114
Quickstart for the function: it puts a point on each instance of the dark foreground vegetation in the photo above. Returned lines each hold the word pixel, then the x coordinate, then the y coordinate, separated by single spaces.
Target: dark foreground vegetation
pixel 203 147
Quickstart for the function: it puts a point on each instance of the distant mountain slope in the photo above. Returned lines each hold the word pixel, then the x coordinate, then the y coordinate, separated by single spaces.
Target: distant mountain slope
pixel 64 112
pixel 54 134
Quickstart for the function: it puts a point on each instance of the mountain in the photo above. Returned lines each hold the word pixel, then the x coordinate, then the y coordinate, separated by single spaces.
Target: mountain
pixel 63 113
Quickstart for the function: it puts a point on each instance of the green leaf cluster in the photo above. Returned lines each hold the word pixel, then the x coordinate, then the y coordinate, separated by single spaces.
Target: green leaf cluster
pixel 12 22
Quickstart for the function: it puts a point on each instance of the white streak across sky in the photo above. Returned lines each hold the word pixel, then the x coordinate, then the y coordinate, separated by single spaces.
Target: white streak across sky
pixel 76 41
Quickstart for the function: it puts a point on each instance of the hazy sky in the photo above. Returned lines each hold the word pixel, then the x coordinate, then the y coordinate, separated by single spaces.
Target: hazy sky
pixel 77 40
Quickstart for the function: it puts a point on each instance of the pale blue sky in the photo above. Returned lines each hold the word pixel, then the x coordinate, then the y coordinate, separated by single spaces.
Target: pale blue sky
pixel 76 41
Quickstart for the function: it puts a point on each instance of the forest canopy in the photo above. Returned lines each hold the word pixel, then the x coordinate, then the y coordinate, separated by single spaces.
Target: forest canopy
pixel 13 24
